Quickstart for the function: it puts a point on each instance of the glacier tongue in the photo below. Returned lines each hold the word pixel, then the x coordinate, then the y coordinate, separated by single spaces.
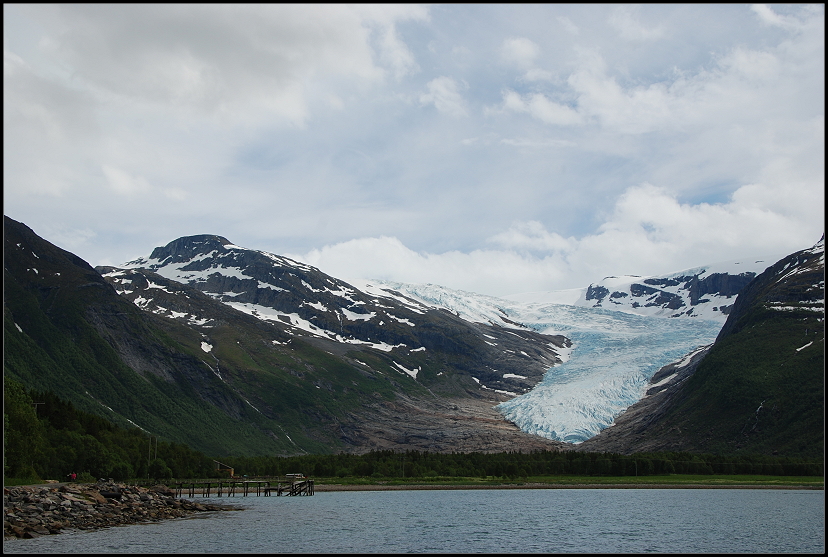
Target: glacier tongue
pixel 613 357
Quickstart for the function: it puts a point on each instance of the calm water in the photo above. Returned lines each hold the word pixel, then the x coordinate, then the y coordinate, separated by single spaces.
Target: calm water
pixel 514 521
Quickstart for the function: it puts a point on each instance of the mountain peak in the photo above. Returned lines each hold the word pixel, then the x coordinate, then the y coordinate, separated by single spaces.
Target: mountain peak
pixel 189 246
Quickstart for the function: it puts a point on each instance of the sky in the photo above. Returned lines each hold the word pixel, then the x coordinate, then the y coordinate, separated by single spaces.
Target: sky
pixel 491 148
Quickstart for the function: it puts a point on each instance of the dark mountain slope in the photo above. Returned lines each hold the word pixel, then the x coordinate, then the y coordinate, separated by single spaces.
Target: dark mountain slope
pixel 192 369
pixel 67 331
pixel 309 303
pixel 760 387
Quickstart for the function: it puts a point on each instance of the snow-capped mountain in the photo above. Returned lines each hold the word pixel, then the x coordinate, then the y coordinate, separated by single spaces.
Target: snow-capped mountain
pixel 278 356
pixel 613 355
pixel 758 389
pixel 308 303
pixel 706 292
pixel 792 284
pixel 619 337
pixel 620 332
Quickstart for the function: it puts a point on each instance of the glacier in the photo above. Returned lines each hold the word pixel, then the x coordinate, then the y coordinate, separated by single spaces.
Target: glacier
pixel 613 356
pixel 623 329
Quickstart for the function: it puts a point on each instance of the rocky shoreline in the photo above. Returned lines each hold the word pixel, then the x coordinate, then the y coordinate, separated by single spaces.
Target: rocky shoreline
pixel 31 511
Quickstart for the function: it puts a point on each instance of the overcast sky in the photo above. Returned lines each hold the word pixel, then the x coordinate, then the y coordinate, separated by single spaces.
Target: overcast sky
pixel 491 148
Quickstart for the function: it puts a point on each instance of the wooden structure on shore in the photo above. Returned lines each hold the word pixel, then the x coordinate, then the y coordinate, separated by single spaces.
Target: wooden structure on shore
pixel 290 485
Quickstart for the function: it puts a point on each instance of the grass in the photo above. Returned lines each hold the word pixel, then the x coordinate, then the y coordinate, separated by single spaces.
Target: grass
pixel 815 482
pixel 666 480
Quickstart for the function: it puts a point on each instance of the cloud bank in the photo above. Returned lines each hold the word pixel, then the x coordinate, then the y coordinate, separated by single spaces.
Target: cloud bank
pixel 649 232
pixel 491 148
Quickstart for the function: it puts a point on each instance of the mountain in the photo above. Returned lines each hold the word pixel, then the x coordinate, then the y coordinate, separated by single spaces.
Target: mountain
pixel 621 336
pixel 706 292
pixel 334 315
pixel 67 331
pixel 612 356
pixel 237 351
pixel 758 389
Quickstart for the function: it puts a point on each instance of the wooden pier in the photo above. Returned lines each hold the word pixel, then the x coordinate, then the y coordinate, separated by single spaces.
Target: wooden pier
pixel 289 486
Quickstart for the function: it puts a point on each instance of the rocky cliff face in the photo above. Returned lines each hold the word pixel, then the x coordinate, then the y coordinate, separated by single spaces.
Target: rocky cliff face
pixel 794 284
pixel 704 292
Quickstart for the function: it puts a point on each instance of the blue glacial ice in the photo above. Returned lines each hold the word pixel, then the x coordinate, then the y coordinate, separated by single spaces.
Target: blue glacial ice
pixel 613 357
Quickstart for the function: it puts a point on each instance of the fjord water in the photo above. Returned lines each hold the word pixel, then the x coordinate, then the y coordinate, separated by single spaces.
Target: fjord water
pixel 478 521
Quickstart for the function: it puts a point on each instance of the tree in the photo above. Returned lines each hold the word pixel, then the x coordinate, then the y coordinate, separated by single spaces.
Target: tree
pixel 23 440
pixel 158 470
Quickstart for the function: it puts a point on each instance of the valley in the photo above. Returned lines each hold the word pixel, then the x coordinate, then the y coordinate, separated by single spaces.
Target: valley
pixel 237 351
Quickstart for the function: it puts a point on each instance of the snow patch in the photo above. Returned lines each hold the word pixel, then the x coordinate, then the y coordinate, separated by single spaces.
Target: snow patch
pixel 316 305
pixel 412 372
pixel 352 316
pixel 804 347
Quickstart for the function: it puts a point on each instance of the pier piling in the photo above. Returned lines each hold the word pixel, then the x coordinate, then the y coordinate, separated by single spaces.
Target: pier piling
pixel 290 486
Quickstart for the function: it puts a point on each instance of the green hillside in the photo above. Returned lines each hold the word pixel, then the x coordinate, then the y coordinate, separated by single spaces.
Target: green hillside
pixel 755 392
pixel 67 331
pixel 759 389
pixel 229 383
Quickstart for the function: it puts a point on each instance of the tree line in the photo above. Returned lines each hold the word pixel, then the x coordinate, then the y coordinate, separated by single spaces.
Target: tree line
pixel 516 464
pixel 48 438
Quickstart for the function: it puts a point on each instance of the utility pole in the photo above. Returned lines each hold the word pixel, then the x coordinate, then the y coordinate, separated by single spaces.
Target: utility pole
pixel 149 453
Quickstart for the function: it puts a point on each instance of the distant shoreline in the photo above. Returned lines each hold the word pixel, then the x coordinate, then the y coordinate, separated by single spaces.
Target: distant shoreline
pixel 414 487
pixel 531 485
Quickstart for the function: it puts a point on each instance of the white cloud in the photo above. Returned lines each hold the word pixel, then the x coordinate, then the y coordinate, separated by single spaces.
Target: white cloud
pixel 289 127
pixel 240 62
pixel 444 94
pixel 537 74
pixel 648 232
pixel 771 18
pixel 521 52
pixel 386 258
pixel 625 20
pixel 393 51
pixel 568 25
pixel 124 184
pixel 532 236
pixel 540 107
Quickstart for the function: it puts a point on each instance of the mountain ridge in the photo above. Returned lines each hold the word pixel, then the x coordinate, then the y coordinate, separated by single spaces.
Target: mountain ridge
pixel 706 291
pixel 217 380
pixel 758 388
pixel 300 361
